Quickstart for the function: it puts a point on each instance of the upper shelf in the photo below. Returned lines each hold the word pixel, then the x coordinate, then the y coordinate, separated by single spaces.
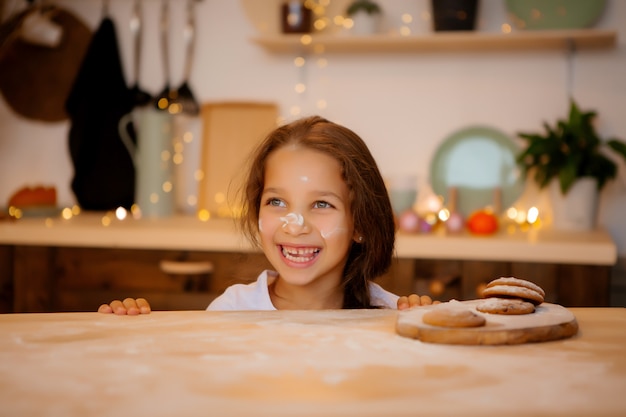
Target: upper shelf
pixel 442 41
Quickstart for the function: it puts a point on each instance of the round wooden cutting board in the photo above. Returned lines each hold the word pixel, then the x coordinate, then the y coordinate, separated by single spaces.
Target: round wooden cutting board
pixel 548 322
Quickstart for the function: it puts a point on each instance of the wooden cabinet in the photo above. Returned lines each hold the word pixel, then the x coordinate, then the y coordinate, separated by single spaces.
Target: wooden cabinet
pixel 78 264
pixel 47 278
pixel 565 284
pixel 80 279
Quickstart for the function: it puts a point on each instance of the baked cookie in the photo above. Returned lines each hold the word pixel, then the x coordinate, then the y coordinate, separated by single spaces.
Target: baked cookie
pixel 452 316
pixel 507 306
pixel 517 283
pixel 510 291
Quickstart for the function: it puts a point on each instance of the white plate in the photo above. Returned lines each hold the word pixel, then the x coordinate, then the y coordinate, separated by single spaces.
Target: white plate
pixel 477 160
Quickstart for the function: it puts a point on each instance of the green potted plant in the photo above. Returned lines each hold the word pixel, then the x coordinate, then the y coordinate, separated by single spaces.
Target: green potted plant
pixel 567 155
pixel 365 15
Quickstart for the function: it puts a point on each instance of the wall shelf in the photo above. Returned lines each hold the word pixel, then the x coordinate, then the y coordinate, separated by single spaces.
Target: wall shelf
pixel 441 42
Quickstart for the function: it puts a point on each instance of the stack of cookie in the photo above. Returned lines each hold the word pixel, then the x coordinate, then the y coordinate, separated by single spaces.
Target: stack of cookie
pixel 510 295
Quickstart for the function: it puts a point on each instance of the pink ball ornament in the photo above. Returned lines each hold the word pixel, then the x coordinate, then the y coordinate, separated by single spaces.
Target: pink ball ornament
pixel 455 223
pixel 409 221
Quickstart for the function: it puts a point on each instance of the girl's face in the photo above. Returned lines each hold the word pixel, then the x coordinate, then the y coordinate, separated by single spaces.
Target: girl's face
pixel 305 224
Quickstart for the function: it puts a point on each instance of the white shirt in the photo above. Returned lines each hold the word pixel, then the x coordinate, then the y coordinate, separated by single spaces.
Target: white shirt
pixel 256 295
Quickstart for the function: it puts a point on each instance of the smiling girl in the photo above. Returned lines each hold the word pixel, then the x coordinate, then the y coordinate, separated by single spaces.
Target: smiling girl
pixel 317 205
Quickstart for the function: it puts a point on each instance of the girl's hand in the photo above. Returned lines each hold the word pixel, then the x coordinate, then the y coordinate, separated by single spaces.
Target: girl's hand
pixel 129 306
pixel 413 300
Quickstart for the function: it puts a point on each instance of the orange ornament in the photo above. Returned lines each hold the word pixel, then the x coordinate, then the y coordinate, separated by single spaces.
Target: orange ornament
pixel 482 222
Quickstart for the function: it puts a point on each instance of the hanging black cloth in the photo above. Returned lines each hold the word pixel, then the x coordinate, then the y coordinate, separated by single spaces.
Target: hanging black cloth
pixel 104 175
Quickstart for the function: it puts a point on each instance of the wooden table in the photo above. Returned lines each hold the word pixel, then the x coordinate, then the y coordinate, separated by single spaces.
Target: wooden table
pixel 298 363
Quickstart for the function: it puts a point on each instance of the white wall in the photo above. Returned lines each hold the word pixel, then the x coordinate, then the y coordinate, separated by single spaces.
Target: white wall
pixel 403 105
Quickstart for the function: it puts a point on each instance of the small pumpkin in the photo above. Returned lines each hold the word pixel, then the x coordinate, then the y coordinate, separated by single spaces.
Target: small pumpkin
pixel 482 222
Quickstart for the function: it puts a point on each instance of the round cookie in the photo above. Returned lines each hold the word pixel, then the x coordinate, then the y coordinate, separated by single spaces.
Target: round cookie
pixel 508 291
pixel 453 317
pixel 518 283
pixel 507 306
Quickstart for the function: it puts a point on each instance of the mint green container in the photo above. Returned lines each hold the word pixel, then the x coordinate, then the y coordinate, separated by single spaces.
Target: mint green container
pixel 555 14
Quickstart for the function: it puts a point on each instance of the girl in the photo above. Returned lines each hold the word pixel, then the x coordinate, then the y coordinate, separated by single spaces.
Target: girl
pixel 316 204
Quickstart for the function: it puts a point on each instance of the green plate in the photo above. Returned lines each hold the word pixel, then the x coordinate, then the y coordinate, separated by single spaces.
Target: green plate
pixel 477 160
pixel 555 14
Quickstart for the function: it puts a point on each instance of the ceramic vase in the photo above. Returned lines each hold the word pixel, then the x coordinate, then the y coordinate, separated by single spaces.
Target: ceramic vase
pixel 365 23
pixel 576 210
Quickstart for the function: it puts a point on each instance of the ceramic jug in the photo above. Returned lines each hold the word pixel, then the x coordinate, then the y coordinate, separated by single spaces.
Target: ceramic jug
pixel 152 156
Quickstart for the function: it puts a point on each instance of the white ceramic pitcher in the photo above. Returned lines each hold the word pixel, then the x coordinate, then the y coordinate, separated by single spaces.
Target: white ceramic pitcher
pixel 152 156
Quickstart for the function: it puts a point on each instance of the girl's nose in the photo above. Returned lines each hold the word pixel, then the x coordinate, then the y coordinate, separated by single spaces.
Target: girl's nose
pixel 294 224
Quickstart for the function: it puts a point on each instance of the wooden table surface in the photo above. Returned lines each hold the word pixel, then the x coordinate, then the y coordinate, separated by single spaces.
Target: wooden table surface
pixel 298 363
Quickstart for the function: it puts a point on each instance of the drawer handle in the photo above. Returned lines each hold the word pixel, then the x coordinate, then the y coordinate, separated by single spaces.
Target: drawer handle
pixel 186 268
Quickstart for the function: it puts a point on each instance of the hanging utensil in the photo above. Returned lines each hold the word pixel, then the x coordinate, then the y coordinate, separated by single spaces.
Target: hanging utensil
pixel 35 81
pixel 185 96
pixel 140 96
pixel 167 97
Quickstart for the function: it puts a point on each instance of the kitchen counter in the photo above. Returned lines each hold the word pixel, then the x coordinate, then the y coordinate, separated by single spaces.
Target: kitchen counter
pixel 305 363
pixel 220 235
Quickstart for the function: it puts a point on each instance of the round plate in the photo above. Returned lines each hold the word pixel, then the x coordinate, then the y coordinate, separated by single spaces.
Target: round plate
pixel 555 14
pixel 477 160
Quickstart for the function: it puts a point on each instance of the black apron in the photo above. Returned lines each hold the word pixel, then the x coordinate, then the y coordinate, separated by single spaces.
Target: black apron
pixel 104 175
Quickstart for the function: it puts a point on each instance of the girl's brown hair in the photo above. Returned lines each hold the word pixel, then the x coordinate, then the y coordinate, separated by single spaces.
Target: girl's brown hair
pixel 369 201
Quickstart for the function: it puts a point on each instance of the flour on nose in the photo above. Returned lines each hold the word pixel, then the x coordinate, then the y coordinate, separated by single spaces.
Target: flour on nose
pixel 292 218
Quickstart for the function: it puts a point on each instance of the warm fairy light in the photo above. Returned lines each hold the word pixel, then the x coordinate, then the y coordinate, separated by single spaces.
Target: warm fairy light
pixel 294 110
pixel 219 198
pixel 75 210
pixel 533 215
pixel 320 24
pixel 444 214
pixel 306 39
pixel 66 213
pixel 162 103
pixel 321 104
pixel 120 213
pixel 15 212
pixel 178 147
pixel 430 218
pixel 192 200
pixel 167 186
pixel 348 23
pixel 338 20
pixel 165 155
pixel 300 88
pixel 175 108
pixel 198 175
pixel 154 198
pixel 405 31
pixel 299 61
pixel 204 215
pixel 106 221
pixel 188 137
pixel 178 158
pixel 135 211
pixel 506 28
pixel 407 18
